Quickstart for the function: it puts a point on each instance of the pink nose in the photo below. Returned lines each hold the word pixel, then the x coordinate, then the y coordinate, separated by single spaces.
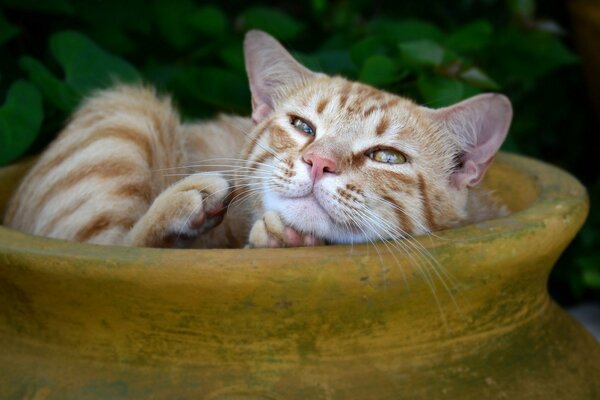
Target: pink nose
pixel 319 165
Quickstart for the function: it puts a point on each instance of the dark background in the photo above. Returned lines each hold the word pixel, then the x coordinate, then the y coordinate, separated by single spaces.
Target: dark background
pixel 438 52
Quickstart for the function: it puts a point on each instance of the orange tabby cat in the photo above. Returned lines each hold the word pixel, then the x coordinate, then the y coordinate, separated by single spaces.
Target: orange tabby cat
pixel 323 159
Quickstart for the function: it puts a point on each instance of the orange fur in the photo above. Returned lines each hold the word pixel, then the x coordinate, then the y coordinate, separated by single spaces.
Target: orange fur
pixel 126 171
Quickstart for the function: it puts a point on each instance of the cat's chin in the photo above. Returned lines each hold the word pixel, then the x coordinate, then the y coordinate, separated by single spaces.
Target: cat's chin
pixel 304 214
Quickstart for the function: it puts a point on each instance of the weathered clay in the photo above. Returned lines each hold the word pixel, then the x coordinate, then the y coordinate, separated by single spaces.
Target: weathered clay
pixel 338 322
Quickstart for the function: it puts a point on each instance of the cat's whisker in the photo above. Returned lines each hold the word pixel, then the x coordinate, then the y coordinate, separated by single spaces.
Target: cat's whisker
pixel 428 259
pixel 243 196
pixel 228 160
pixel 408 215
pixel 255 140
pixel 421 249
pixel 224 174
pixel 424 272
pixel 372 223
pixel 232 168
pixel 258 187
pixel 225 162
pixel 356 223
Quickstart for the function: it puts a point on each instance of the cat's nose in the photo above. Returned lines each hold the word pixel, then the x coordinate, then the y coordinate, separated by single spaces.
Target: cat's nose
pixel 319 165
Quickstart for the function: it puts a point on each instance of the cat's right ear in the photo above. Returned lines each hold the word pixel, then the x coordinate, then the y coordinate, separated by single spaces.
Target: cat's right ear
pixel 480 125
pixel 269 67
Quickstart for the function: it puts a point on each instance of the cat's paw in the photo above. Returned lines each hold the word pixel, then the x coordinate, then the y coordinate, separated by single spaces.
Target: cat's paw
pixel 183 211
pixel 196 204
pixel 271 231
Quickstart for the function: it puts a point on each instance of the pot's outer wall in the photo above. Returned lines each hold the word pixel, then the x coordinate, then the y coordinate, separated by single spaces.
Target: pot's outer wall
pixel 339 322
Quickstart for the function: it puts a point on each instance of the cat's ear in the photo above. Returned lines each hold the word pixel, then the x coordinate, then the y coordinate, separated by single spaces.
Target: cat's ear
pixel 481 124
pixel 269 67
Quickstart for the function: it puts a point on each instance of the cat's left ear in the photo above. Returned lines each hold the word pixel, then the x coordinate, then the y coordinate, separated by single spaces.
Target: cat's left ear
pixel 481 124
pixel 269 67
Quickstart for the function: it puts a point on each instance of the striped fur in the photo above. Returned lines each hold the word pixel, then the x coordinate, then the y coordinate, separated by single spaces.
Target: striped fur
pixel 125 170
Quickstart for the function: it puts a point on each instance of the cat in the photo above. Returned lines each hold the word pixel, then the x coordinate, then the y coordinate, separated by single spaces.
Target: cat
pixel 321 160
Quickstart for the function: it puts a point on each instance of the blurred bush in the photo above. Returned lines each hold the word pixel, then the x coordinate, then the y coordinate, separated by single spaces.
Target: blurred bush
pixel 55 52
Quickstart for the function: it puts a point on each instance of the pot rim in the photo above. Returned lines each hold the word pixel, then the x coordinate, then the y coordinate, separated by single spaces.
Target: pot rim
pixel 559 196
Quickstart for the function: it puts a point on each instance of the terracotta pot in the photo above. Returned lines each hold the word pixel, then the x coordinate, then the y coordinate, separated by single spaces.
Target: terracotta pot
pixel 340 322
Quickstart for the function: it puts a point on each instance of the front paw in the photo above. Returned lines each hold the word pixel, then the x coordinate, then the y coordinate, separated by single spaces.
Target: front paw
pixel 271 231
pixel 183 211
pixel 195 204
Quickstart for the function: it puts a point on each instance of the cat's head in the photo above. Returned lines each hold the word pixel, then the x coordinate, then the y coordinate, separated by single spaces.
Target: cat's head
pixel 350 163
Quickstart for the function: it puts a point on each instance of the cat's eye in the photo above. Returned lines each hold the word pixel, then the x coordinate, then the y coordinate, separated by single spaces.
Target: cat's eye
pixel 387 156
pixel 302 126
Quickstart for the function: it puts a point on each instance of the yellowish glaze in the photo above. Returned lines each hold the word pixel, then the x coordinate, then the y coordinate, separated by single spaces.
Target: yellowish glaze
pixel 81 321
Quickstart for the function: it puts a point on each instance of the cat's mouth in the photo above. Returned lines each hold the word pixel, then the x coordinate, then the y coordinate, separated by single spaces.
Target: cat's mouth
pixel 305 214
pixel 311 207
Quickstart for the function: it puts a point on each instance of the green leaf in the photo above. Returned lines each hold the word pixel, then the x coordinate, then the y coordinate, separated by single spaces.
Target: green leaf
pixel 476 77
pixel 116 15
pixel 470 37
pixel 160 75
pixel 590 270
pixel 405 30
pixel 54 90
pixel 216 86
pixel 319 6
pixel 273 21
pixel 117 40
pixel 181 22
pixel 365 48
pixel 171 19
pixel 7 30
pixel 233 55
pixel 527 56
pixel 378 70
pixel 421 53
pixel 209 20
pixel 439 91
pixel 20 120
pixel 591 279
pixel 86 65
pixel 331 62
pixel 522 8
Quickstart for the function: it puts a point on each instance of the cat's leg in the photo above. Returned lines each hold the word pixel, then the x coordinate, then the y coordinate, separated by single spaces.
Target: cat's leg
pixel 183 211
pixel 271 231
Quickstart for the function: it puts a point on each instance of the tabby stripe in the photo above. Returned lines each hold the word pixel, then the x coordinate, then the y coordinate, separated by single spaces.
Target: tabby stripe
pixel 404 221
pixel 60 215
pixel 345 92
pixel 357 160
pixel 140 190
pixel 254 143
pixel 396 177
pixel 322 104
pixel 382 126
pixel 426 204
pixel 280 138
pixel 124 133
pixel 389 104
pixel 102 169
pixel 101 223
pixel 261 159
pixel 369 111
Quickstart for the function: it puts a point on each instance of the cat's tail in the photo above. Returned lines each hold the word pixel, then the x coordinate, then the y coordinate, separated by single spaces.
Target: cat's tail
pixel 100 174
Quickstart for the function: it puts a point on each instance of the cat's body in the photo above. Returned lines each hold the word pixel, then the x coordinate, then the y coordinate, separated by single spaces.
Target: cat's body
pixel 323 159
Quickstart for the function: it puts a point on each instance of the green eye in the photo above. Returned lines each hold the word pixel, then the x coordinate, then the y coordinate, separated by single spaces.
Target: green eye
pixel 387 156
pixel 302 126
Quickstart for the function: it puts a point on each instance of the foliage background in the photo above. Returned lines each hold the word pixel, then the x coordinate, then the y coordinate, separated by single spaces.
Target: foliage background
pixel 53 52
